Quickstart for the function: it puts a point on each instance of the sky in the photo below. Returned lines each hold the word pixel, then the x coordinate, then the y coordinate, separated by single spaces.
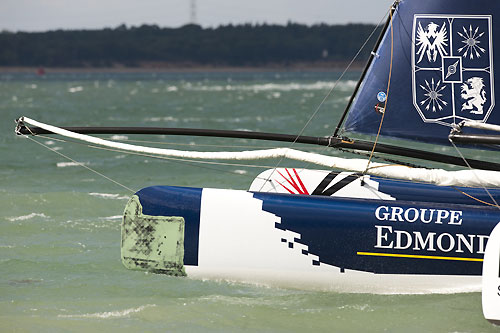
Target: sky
pixel 43 15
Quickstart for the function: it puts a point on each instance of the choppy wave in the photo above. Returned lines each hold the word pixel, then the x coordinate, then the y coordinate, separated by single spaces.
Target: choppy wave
pixel 114 217
pixel 119 137
pixel 109 314
pixel 291 86
pixel 26 217
pixel 360 307
pixel 168 118
pixel 75 89
pixel 109 196
pixel 247 301
pixel 68 164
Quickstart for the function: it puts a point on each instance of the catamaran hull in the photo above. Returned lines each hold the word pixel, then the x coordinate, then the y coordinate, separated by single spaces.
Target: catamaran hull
pixel 311 242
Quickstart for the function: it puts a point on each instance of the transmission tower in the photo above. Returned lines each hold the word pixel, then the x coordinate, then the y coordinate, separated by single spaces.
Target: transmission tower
pixel 193 12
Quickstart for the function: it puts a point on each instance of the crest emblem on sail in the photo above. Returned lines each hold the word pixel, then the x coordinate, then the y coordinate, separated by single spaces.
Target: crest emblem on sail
pixel 452 68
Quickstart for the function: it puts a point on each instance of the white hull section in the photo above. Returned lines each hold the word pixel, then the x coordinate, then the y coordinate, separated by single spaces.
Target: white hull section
pixel 238 241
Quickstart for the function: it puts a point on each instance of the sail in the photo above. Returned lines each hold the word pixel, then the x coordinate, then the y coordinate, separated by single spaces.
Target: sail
pixel 443 54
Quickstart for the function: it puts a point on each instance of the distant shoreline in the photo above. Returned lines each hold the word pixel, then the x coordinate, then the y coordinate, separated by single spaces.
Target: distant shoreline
pixel 187 68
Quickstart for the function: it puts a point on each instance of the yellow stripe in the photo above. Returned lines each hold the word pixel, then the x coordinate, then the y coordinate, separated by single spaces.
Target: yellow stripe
pixel 415 256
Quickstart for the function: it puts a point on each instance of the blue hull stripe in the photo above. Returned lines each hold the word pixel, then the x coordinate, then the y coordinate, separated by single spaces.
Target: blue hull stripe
pixel 341 231
pixel 176 201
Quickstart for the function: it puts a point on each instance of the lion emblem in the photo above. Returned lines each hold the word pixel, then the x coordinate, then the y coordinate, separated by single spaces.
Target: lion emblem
pixel 472 91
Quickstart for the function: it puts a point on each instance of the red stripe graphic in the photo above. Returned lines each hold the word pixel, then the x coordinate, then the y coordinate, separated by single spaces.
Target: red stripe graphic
pixel 298 189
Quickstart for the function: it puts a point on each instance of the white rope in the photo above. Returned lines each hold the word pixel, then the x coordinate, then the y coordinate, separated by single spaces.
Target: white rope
pixel 476 178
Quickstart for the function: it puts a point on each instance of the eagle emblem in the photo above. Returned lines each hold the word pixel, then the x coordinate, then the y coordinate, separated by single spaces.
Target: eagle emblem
pixel 431 42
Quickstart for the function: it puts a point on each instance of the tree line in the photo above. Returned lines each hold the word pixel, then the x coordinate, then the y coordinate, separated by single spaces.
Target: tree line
pixel 229 45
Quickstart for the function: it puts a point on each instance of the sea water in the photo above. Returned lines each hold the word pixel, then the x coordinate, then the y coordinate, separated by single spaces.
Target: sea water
pixel 60 267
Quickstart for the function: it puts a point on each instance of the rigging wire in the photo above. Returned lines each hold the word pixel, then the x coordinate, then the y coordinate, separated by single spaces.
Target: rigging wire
pixel 187 160
pixel 475 175
pixel 174 160
pixel 194 163
pixel 313 115
pixel 81 164
pixel 158 156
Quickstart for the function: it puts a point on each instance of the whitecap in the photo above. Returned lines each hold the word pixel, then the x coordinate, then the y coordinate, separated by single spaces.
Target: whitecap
pixel 75 89
pixel 241 172
pixel 119 137
pixel 108 196
pixel 284 87
pixel 67 164
pixel 114 217
pixel 109 314
pixel 156 119
pixel 26 217
pixel 359 307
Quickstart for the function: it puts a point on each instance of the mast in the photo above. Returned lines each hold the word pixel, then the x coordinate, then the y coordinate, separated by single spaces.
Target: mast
pixel 373 55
